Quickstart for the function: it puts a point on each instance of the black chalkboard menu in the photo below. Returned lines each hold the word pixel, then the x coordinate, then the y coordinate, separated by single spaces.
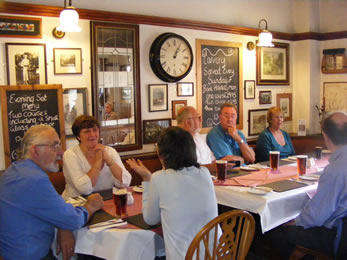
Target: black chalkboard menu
pixel 219 72
pixel 25 106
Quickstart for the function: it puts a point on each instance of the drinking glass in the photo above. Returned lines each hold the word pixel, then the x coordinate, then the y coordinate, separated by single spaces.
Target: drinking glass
pixel 221 169
pixel 274 160
pixel 120 202
pixel 302 164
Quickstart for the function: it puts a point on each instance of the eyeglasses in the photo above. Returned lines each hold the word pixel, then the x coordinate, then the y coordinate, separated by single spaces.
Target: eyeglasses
pixel 229 116
pixel 55 147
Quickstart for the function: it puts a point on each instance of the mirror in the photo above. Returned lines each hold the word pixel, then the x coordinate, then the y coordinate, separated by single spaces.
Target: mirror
pixel 116 84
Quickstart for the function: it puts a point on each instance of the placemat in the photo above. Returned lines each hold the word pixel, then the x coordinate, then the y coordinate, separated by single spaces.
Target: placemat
pixel 99 216
pixel 282 162
pixel 105 194
pixel 232 173
pixel 138 221
pixel 284 185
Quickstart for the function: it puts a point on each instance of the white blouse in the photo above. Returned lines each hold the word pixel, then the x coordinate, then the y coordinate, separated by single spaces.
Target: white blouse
pixel 76 166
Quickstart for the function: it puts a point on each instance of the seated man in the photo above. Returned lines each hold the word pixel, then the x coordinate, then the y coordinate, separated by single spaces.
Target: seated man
pixel 190 120
pixel 30 207
pixel 319 224
pixel 225 141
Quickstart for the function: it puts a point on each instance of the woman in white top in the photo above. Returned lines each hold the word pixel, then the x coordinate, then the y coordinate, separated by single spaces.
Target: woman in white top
pixel 90 166
pixel 181 196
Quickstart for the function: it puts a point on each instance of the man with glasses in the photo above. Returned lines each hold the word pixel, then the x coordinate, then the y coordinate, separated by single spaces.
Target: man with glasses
pixel 225 141
pixel 31 209
pixel 190 120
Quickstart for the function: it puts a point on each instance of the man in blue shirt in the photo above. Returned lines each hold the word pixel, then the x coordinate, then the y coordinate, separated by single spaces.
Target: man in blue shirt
pixel 319 224
pixel 225 141
pixel 30 208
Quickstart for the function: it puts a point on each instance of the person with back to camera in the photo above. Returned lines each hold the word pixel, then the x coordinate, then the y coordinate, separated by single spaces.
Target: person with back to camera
pixel 322 224
pixel 181 196
pixel 30 207
pixel 90 166
pixel 273 138
pixel 225 141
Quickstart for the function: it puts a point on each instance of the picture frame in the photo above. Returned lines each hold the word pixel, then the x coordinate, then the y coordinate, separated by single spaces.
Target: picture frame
pixel 74 104
pixel 158 97
pixel 265 97
pixel 273 64
pixel 256 121
pixel 26 63
pixel 185 89
pixel 334 96
pixel 20 27
pixel 125 93
pixel 152 129
pixel 67 60
pixel 249 89
pixel 284 102
pixel 176 106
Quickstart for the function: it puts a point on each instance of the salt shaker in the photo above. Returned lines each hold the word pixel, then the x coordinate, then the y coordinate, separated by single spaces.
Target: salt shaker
pixel 130 198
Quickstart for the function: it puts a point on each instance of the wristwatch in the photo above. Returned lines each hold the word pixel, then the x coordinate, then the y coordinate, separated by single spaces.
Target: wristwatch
pixel 242 141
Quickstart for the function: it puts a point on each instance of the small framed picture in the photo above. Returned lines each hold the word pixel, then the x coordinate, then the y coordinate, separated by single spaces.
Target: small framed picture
pixel 256 121
pixel 176 105
pixel 273 64
pixel 26 63
pixel 152 129
pixel 75 104
pixel 185 89
pixel 284 102
pixel 158 97
pixel 265 97
pixel 67 60
pixel 20 27
pixel 249 86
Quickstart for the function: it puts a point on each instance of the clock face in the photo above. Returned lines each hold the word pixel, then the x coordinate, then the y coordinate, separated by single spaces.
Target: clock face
pixel 175 56
pixel 171 57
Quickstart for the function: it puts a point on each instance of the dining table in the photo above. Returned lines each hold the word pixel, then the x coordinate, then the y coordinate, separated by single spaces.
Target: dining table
pixel 287 196
pixel 127 241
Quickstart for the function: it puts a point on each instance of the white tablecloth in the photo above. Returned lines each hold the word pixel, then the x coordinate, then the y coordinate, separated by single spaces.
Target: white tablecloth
pixel 274 209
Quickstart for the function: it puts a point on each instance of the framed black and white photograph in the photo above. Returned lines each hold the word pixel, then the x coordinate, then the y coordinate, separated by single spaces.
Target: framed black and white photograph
pixel 67 60
pixel 249 89
pixel 185 89
pixel 265 97
pixel 125 93
pixel 334 96
pixel 20 27
pixel 284 102
pixel 256 121
pixel 26 63
pixel 176 106
pixel 152 129
pixel 273 65
pixel 158 97
pixel 75 104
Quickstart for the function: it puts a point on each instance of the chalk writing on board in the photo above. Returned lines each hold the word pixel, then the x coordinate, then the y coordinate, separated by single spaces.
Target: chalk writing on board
pixel 26 108
pixel 220 80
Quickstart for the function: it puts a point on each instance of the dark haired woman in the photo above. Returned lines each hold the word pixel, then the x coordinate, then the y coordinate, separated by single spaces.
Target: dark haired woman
pixel 90 166
pixel 181 196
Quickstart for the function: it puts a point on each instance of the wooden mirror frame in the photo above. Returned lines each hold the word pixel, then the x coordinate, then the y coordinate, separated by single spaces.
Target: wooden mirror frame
pixel 136 96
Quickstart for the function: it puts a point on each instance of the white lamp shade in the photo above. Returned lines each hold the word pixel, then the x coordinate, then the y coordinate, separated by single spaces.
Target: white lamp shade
pixel 69 20
pixel 265 39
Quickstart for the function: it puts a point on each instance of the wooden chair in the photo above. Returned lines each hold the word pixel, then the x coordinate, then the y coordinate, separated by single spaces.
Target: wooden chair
pixel 238 230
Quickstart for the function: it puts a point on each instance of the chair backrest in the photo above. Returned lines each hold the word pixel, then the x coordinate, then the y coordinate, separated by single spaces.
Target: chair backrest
pixel 238 230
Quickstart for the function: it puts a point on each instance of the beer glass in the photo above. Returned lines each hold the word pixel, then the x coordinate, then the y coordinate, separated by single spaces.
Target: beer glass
pixel 120 202
pixel 274 160
pixel 221 169
pixel 302 164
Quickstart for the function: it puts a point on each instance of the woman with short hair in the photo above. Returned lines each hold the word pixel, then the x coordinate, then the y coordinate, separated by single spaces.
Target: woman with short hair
pixel 273 138
pixel 181 196
pixel 90 166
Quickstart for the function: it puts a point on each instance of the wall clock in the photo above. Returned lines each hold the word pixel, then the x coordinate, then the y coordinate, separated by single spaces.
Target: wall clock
pixel 171 57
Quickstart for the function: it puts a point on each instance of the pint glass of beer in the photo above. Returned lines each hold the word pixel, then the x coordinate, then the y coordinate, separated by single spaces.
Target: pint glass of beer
pixel 274 160
pixel 120 202
pixel 221 169
pixel 302 163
